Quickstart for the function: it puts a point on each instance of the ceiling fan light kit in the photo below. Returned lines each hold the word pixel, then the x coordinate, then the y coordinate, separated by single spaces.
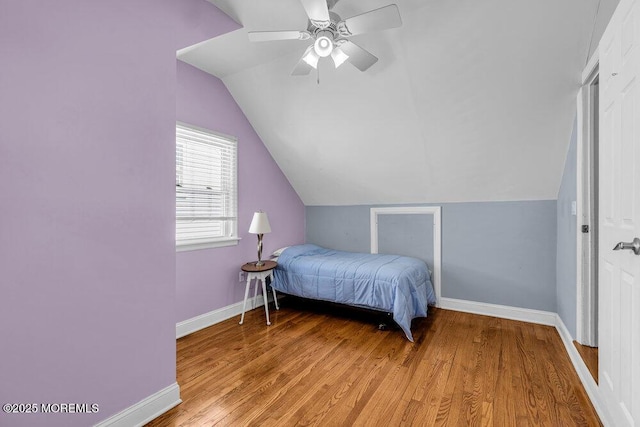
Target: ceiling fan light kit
pixel 323 44
pixel 330 35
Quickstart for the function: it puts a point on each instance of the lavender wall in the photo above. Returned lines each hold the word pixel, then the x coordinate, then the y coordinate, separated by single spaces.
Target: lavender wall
pixel 208 279
pixel 87 161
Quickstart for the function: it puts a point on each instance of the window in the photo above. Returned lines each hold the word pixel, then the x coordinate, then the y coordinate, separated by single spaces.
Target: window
pixel 206 190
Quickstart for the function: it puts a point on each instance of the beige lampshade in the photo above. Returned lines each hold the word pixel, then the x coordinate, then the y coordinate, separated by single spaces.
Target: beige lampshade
pixel 260 223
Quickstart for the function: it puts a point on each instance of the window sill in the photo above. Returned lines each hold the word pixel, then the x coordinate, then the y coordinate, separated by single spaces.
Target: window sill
pixel 185 247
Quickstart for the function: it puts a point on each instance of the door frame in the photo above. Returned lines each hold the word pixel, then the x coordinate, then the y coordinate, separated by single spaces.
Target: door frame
pixel 437 236
pixel 586 317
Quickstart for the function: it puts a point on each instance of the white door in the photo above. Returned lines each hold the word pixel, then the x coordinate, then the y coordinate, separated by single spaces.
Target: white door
pixel 619 271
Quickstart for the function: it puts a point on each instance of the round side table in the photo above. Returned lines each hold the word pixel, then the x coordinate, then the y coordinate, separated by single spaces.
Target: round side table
pixel 260 274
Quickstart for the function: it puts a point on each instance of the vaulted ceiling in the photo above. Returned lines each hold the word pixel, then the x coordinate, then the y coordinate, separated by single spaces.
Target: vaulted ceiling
pixel 469 101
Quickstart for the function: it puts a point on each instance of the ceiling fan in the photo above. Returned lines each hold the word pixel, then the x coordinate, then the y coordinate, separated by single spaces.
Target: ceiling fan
pixel 330 35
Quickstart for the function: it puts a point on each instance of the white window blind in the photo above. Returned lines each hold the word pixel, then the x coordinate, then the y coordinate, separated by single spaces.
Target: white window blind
pixel 206 187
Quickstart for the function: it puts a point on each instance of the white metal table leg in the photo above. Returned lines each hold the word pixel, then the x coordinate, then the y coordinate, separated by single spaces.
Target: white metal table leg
pixel 246 295
pixel 264 296
pixel 255 290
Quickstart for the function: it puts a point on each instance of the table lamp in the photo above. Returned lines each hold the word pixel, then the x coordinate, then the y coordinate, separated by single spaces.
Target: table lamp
pixel 259 225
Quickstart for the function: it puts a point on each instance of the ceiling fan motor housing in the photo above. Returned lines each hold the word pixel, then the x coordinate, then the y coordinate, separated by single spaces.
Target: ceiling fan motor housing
pixel 332 28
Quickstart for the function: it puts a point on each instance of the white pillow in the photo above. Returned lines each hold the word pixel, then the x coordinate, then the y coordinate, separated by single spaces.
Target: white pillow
pixel 278 252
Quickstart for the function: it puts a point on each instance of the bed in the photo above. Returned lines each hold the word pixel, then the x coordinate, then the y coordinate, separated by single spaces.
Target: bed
pixel 388 283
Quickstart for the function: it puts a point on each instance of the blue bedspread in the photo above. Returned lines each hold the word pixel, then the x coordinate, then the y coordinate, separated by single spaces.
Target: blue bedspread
pixel 390 283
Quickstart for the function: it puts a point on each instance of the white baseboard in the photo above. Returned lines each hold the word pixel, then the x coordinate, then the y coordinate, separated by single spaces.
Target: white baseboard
pixel 502 311
pixel 145 410
pixel 583 372
pixel 205 320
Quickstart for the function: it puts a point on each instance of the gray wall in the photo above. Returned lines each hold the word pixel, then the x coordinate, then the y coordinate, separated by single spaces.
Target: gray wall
pixel 493 252
pixel 566 246
pixel 409 235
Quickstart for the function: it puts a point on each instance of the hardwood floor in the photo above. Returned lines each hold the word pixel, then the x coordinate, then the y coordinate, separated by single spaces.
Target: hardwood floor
pixel 589 356
pixel 313 368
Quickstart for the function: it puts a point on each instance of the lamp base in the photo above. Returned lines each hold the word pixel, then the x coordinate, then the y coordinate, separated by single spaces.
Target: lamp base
pixel 259 263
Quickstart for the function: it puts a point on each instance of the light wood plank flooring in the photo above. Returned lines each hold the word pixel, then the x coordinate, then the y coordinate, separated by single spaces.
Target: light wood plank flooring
pixel 589 356
pixel 322 366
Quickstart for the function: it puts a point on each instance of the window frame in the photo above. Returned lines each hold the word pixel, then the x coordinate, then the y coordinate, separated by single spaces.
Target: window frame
pixel 207 243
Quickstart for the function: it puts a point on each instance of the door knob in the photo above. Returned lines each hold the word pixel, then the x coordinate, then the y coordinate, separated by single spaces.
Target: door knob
pixel 634 246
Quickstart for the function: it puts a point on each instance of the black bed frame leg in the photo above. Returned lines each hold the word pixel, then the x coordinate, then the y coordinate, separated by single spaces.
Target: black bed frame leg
pixel 385 322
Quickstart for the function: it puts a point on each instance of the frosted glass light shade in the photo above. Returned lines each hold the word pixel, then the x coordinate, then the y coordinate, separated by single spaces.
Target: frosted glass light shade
pixel 260 223
pixel 311 58
pixel 338 57
pixel 323 46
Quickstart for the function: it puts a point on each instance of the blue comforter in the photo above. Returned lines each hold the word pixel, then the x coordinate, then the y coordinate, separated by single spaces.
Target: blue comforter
pixel 390 283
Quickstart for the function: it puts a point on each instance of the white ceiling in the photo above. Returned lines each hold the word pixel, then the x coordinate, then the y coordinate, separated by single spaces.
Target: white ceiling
pixel 470 100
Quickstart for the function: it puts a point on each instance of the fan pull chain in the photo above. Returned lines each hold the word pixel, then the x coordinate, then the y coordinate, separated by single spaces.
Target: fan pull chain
pixel 318 78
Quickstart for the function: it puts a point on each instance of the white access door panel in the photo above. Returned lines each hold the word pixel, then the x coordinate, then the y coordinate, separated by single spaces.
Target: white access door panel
pixel 619 270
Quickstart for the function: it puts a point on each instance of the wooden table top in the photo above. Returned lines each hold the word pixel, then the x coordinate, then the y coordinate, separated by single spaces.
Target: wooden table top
pixel 252 268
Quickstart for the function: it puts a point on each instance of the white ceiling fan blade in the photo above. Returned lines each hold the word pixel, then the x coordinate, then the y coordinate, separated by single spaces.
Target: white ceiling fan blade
pixel 318 12
pixel 308 62
pixel 266 36
pixel 374 20
pixel 360 58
